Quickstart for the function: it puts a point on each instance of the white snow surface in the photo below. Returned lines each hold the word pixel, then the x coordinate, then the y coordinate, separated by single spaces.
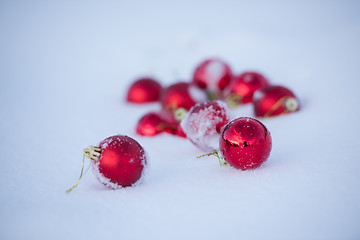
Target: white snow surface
pixel 64 70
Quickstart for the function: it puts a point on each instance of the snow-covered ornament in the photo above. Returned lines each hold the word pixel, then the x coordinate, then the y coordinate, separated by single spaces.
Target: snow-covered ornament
pixel 245 143
pixel 182 95
pixel 203 123
pixel 274 101
pixel 144 90
pixel 118 161
pixel 242 88
pixel 213 75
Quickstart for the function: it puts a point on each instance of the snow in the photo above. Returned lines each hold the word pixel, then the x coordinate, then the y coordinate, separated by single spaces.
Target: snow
pixel 197 94
pixel 200 126
pixel 214 71
pixel 64 70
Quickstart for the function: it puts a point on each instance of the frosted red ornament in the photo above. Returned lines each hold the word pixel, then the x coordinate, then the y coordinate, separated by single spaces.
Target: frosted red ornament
pixel 182 95
pixel 118 161
pixel 150 124
pixel 213 75
pixel 274 101
pixel 144 90
pixel 203 123
pixel 241 88
pixel 245 143
pixel 121 161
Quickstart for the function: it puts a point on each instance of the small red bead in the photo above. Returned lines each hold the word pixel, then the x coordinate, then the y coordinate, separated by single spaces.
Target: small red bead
pixel 274 101
pixel 121 161
pixel 213 75
pixel 144 90
pixel 245 143
pixel 245 85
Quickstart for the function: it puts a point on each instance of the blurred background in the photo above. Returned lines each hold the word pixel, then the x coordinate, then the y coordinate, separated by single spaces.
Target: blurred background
pixel 64 70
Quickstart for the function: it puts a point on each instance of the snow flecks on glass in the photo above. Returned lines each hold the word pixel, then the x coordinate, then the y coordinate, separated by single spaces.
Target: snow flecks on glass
pixel 104 180
pixel 203 123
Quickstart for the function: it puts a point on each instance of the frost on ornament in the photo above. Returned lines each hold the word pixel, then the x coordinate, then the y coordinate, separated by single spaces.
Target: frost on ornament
pixel 121 162
pixel 203 123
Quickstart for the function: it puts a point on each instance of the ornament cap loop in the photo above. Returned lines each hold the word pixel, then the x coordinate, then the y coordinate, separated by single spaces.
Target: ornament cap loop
pixel 291 104
pixel 233 100
pixel 179 114
pixel 92 152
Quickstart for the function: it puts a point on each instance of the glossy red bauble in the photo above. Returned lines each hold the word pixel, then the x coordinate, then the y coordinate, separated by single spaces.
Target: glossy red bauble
pixel 144 90
pixel 203 123
pixel 241 89
pixel 274 101
pixel 150 124
pixel 181 95
pixel 119 161
pixel 213 75
pixel 245 143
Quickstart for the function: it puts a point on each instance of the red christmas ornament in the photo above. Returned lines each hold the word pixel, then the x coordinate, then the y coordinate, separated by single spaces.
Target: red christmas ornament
pixel 179 131
pixel 213 75
pixel 168 116
pixel 274 101
pixel 172 121
pixel 144 90
pixel 203 123
pixel 182 95
pixel 245 143
pixel 118 161
pixel 150 124
pixel 154 123
pixel 241 89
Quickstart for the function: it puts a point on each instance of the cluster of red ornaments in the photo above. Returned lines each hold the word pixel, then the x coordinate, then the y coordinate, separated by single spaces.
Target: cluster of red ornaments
pixel 213 79
pixel 200 111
